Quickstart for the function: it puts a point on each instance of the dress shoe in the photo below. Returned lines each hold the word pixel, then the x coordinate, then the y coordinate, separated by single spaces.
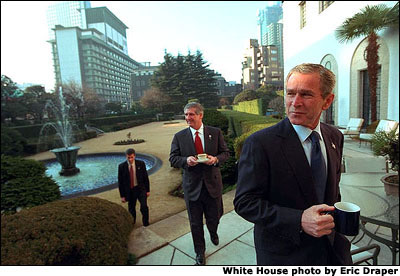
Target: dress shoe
pixel 200 259
pixel 146 224
pixel 215 239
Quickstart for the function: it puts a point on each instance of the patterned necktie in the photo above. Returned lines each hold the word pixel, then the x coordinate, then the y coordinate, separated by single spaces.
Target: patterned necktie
pixel 132 178
pixel 318 166
pixel 197 144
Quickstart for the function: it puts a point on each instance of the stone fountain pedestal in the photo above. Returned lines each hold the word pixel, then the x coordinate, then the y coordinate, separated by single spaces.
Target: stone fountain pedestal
pixel 67 158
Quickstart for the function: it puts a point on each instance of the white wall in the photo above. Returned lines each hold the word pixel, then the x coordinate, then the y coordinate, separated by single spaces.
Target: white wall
pixel 68 53
pixel 317 39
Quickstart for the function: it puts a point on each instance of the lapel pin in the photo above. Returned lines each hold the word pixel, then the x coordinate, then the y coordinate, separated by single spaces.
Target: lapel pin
pixel 209 137
pixel 333 146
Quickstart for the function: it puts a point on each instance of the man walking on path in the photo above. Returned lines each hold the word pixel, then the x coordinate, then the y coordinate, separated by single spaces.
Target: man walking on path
pixel 133 184
pixel 202 181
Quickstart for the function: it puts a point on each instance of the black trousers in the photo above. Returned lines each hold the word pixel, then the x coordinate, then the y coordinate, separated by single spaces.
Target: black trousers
pixel 139 194
pixel 212 209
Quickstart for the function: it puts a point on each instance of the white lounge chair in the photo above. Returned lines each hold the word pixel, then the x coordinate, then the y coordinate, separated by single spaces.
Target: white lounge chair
pixel 353 127
pixel 384 125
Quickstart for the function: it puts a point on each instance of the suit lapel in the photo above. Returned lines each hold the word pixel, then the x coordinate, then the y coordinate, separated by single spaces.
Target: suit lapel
pixel 206 140
pixel 332 155
pixel 294 152
pixel 190 145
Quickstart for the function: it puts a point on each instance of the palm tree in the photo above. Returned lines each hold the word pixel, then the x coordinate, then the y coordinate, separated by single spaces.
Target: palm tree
pixel 367 23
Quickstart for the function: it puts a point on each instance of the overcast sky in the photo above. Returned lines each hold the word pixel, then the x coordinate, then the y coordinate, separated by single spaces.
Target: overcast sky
pixel 219 29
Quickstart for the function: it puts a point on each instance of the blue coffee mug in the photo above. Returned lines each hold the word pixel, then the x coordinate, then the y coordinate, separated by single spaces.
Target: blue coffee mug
pixel 347 218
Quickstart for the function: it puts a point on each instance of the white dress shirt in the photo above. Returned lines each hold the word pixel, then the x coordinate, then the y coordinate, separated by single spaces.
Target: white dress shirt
pixel 303 133
pixel 201 135
pixel 134 171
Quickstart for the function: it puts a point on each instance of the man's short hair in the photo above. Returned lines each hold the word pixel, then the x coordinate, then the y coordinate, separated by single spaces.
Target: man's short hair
pixel 199 109
pixel 130 151
pixel 327 78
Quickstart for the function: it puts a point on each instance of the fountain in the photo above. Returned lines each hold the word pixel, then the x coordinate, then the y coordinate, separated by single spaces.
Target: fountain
pixel 67 154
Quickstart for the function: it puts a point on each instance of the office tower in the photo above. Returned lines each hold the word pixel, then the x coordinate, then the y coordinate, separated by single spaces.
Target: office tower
pixel 67 14
pixel 91 50
pixel 270 27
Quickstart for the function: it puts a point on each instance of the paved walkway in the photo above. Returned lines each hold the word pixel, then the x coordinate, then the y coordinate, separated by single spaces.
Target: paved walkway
pixel 169 242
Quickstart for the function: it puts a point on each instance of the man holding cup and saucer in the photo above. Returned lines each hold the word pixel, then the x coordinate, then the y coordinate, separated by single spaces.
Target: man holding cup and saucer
pixel 199 150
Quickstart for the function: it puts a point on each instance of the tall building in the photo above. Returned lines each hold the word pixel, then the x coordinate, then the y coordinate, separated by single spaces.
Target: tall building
pixel 67 14
pixel 140 80
pixel 261 66
pixel 271 28
pixel 91 50
pixel 250 67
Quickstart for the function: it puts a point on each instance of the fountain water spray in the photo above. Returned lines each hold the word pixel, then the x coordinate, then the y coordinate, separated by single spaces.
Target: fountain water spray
pixel 67 154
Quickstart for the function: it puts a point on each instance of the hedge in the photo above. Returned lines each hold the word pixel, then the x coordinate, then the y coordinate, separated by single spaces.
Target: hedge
pixel 24 184
pixel 77 231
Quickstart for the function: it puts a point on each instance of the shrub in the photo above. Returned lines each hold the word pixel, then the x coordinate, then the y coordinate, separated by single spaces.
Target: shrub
pixel 239 142
pixel 77 231
pixel 386 144
pixel 246 95
pixel 24 184
pixel 213 117
pixel 12 142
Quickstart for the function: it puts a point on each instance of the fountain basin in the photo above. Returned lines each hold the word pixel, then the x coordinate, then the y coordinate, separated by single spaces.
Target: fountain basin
pixel 98 172
pixel 67 158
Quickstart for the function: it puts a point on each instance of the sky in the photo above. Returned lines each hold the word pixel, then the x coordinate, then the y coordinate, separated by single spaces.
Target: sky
pixel 221 30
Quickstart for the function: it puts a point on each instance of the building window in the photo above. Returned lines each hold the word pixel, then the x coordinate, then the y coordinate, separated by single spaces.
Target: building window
pixel 302 14
pixel 323 5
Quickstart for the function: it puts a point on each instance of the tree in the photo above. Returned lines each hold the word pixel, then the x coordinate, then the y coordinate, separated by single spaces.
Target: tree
pixel 35 98
pixel 11 104
pixel 367 23
pixel 186 77
pixel 266 93
pixel 113 107
pixel 73 94
pixel 154 98
pixel 277 104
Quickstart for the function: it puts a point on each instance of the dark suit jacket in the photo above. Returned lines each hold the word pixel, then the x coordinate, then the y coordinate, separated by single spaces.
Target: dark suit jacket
pixel 124 182
pixel 275 186
pixel 183 146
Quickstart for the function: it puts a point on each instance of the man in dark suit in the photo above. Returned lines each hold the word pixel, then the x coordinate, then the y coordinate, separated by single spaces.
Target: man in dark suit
pixel 279 187
pixel 133 184
pixel 202 182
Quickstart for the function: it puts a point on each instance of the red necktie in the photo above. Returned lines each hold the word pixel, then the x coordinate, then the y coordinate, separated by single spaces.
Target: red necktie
pixel 197 144
pixel 132 178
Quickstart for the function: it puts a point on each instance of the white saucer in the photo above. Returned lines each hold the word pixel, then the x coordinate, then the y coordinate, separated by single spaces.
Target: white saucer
pixel 202 160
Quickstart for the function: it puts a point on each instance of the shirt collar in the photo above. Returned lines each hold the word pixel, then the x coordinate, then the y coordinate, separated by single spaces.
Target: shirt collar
pixel 200 130
pixel 129 164
pixel 303 132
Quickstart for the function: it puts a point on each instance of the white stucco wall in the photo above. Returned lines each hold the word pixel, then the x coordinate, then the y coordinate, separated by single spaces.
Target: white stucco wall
pixel 317 39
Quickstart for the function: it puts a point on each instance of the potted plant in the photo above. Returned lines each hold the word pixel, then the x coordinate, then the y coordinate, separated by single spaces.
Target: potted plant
pixel 387 144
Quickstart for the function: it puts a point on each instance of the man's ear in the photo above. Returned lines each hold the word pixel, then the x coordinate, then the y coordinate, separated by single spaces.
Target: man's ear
pixel 328 101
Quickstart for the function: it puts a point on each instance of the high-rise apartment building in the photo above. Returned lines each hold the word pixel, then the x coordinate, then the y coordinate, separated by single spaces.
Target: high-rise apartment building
pixel 250 67
pixel 271 28
pixel 261 66
pixel 90 49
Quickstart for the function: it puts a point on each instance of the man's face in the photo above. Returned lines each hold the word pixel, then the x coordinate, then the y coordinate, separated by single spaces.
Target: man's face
pixel 130 158
pixel 194 120
pixel 304 102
